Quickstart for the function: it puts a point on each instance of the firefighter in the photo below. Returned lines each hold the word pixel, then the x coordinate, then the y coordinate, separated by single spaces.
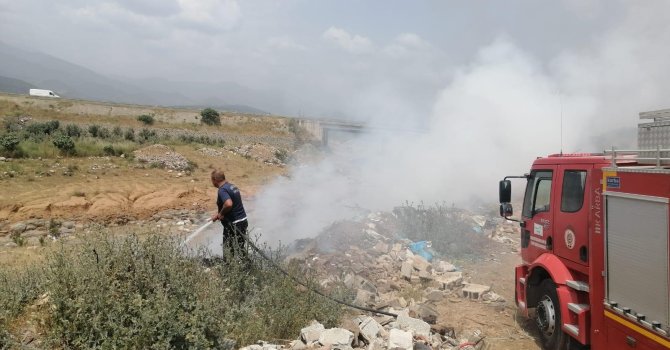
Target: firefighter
pixel 232 215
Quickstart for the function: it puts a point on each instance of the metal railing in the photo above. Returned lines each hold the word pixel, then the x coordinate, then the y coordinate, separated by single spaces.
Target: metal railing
pixel 640 154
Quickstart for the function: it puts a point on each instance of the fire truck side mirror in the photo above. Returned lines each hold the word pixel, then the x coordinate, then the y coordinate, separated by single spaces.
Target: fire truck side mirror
pixel 505 191
pixel 506 210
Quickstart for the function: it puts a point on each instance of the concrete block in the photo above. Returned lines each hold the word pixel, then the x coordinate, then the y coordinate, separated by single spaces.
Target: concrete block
pixel 336 337
pixel 370 329
pixel 312 333
pixel 475 291
pixel 450 280
pixel 399 339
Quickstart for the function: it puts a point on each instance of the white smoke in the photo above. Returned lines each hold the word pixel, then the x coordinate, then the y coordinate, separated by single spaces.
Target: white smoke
pixel 493 117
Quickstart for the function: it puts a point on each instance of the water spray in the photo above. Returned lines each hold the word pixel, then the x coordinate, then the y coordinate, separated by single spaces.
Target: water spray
pixel 197 232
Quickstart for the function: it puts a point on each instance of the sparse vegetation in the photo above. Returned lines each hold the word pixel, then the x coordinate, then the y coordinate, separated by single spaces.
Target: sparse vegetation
pixel 146 293
pixel 210 116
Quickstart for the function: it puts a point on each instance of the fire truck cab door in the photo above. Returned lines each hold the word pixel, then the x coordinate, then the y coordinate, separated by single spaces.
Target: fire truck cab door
pixel 537 228
pixel 571 236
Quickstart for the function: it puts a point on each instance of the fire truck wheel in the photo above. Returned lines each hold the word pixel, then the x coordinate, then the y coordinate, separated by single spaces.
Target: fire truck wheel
pixel 548 317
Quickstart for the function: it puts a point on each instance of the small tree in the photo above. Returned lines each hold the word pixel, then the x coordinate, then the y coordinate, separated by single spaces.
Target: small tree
pixel 146 119
pixel 64 143
pixel 210 117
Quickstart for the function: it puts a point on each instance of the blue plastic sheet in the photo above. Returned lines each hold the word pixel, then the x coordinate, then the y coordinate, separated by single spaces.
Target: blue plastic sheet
pixel 421 248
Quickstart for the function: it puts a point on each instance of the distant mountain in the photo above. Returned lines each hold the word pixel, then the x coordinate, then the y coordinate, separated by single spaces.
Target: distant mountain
pixel 69 80
pixel 14 86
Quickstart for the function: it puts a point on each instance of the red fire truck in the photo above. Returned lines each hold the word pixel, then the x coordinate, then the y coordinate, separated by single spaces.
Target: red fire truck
pixel 594 244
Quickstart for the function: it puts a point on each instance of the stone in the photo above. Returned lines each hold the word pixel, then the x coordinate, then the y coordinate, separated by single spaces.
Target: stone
pixel 474 291
pixel 64 231
pixel 434 295
pixel 427 312
pixel 443 266
pixel 416 326
pixel 364 298
pixel 370 329
pixel 34 233
pixel 68 224
pixel 406 270
pixel 336 337
pixel 381 248
pixel 421 264
pixel 450 280
pixel 312 332
pixel 425 276
pixel 399 339
pixel 422 346
pixel 253 347
pixel 19 227
pixel 297 345
pixel 352 326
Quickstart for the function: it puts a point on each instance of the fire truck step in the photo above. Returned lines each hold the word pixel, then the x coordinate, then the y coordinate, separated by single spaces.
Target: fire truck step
pixel 572 329
pixel 578 308
pixel 522 280
pixel 578 285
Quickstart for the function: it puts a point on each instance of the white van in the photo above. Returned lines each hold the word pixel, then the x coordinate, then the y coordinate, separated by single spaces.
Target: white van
pixel 43 93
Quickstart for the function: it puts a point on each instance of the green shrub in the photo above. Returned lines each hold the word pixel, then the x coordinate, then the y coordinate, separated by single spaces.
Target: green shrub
pixel 117 132
pixel 104 133
pixel 210 116
pixel 129 134
pixel 73 130
pixel 146 119
pixel 146 135
pixel 9 142
pixel 64 143
pixel 111 292
pixel 110 150
pixel 93 130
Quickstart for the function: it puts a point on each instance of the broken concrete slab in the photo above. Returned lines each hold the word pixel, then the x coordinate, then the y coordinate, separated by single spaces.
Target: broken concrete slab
pixel 312 332
pixel 406 270
pixel 450 280
pixel 370 329
pixel 416 326
pixel 399 339
pixel 474 291
pixel 336 337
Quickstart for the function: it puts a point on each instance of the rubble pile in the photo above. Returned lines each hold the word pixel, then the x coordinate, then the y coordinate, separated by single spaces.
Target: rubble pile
pixel 161 156
pixel 391 274
pixel 212 152
pixel 262 153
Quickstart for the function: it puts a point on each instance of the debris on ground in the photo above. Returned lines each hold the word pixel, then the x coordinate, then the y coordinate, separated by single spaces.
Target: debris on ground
pixel 161 156
pixel 393 274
